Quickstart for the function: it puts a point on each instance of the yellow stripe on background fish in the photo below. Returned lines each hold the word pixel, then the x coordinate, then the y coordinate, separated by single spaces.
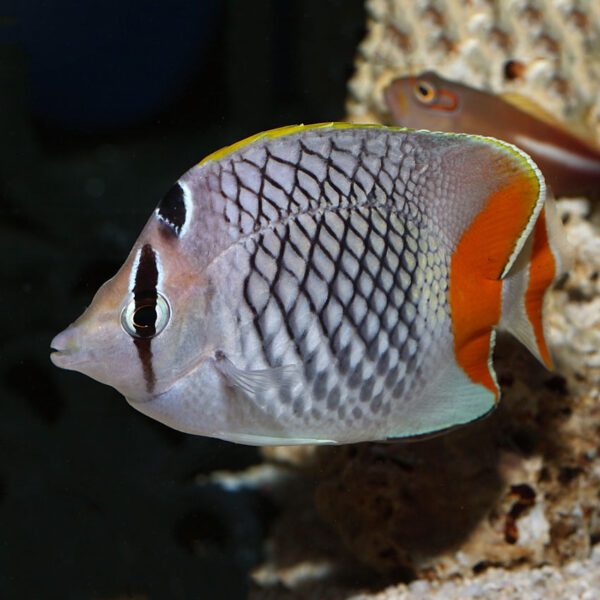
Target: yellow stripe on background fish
pixel 569 163
pixel 328 283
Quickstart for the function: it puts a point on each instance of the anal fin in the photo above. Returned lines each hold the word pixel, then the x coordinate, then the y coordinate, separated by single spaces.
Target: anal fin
pixel 452 399
pixel 253 439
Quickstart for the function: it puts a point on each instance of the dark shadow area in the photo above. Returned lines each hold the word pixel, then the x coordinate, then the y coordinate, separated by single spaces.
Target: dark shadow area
pixel 395 507
pixel 102 108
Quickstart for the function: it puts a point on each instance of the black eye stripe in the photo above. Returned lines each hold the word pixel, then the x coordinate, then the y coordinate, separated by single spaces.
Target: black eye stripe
pixel 146 275
pixel 171 210
pixel 145 355
pixel 145 294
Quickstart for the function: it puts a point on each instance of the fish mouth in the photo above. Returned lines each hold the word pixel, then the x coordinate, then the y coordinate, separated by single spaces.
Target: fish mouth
pixel 57 356
pixel 65 352
pixel 64 359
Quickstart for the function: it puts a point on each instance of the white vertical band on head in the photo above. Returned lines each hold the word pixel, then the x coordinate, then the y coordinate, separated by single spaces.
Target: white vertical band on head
pixel 159 269
pixel 134 268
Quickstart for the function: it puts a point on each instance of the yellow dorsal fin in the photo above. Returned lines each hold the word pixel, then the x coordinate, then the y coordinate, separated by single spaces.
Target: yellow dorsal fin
pixel 288 130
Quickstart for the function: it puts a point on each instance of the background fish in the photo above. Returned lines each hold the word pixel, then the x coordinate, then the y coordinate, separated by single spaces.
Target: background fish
pixel 570 164
pixel 326 284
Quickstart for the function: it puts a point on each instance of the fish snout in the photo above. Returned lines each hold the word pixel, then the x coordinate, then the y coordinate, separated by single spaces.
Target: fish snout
pixel 66 350
pixel 395 99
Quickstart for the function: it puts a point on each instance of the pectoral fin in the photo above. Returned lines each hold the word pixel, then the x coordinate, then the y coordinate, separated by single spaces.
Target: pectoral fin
pixel 256 383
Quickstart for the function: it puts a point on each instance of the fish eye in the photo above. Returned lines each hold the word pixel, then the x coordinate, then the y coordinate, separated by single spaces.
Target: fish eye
pixel 147 317
pixel 424 91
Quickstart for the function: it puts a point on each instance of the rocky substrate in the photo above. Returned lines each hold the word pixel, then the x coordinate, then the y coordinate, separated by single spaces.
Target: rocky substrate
pixel 579 579
pixel 508 507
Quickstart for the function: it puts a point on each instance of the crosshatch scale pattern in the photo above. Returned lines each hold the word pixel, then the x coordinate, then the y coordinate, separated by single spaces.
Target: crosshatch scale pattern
pixel 343 271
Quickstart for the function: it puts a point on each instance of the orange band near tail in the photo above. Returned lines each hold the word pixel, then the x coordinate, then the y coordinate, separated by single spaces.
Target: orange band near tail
pixel 476 266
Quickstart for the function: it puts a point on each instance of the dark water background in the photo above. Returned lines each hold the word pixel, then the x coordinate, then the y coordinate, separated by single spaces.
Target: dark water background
pixel 102 107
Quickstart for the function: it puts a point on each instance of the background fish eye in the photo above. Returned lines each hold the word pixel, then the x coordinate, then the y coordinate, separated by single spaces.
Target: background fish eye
pixel 424 91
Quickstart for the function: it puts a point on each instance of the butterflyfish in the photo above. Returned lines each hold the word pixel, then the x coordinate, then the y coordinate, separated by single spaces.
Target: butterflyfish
pixel 329 283
pixel 570 163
